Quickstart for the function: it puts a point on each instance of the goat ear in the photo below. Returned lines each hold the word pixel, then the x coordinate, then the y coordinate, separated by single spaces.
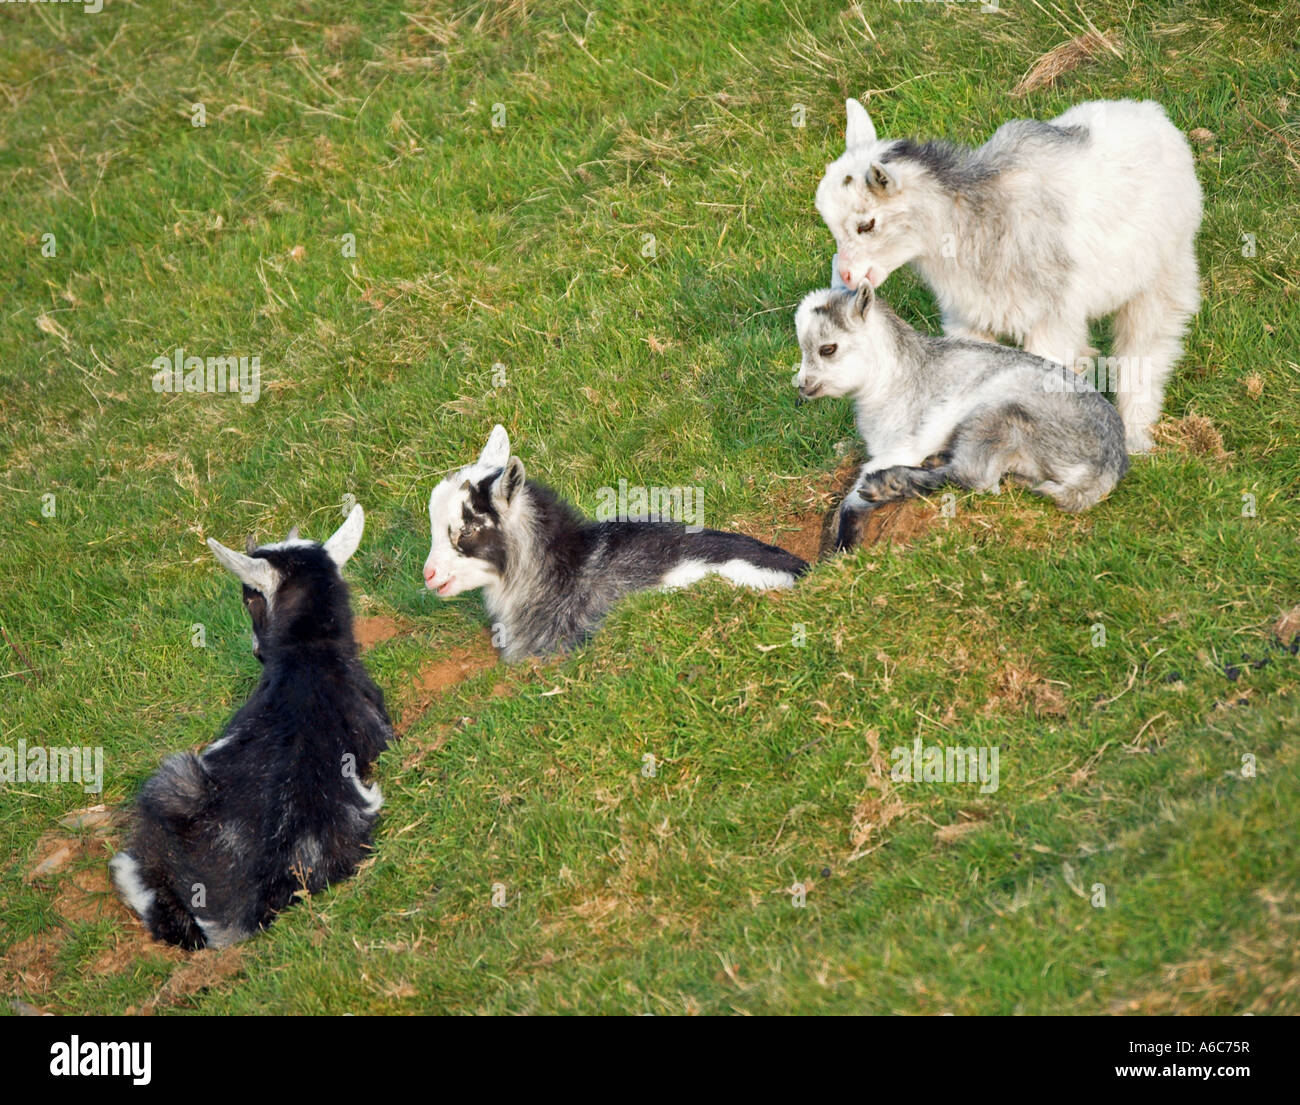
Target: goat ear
pixel 253 571
pixel 880 179
pixel 497 450
pixel 507 484
pixel 860 130
pixel 862 299
pixel 343 541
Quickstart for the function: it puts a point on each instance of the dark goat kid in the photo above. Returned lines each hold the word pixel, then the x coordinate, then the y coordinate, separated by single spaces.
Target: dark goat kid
pixel 226 839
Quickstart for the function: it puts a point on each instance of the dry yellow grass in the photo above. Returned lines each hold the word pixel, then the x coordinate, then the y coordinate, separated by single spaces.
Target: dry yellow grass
pixel 1063 58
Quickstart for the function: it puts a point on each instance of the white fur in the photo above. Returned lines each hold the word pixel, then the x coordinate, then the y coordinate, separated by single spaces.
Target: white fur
pixel 446 571
pixel 740 572
pixel 370 795
pixel 126 877
pixel 1131 208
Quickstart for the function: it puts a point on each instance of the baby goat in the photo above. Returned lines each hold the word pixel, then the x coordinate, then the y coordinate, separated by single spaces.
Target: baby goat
pixel 226 839
pixel 1032 235
pixel 983 410
pixel 550 576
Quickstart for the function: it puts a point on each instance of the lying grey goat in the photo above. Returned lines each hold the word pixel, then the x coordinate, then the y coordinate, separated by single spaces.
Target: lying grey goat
pixel 950 410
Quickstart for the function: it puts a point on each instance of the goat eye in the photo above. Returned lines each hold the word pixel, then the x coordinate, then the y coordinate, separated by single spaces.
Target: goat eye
pixel 828 350
pixel 867 227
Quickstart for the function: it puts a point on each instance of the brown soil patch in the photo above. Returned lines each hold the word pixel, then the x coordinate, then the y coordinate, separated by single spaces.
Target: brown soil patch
pixel 374 630
pixel 28 967
pixel 1193 433
pixel 438 676
pixel 808 515
pixel 899 524
pixel 1063 58
pixel 88 895
pixel 804 512
pixel 200 970
pixel 75 865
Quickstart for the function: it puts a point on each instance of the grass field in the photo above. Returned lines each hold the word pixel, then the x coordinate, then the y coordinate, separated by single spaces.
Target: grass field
pixel 611 273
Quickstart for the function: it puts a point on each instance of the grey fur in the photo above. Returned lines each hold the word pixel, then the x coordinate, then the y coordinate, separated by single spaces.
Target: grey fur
pixel 935 410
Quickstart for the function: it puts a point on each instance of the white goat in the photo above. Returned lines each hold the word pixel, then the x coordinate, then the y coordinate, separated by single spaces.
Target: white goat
pixel 1032 235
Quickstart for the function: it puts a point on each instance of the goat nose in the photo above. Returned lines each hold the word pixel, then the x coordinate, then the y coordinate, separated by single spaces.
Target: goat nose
pixel 429 573
pixel 846 275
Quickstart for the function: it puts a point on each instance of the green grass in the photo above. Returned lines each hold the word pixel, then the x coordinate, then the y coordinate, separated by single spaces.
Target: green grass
pixel 524 246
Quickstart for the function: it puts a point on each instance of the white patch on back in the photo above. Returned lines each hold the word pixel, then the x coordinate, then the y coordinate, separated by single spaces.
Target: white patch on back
pixel 220 742
pixel 744 574
pixel 685 573
pixel 738 571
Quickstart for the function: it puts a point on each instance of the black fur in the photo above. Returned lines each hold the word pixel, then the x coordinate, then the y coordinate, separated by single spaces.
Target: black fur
pixel 230 837
pixel 564 573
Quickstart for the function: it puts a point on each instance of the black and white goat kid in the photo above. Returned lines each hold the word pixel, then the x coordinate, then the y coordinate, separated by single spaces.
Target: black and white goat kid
pixel 224 840
pixel 549 575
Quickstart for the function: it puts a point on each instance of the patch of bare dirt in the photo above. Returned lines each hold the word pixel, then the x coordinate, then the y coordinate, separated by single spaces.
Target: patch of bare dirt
pixel 375 629
pixel 436 677
pixel 74 865
pixel 201 970
pixel 1194 434
pixel 88 895
pixel 805 512
pixel 28 968
pixel 899 524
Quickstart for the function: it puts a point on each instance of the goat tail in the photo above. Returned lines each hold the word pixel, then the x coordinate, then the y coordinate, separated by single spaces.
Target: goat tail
pixel 178 793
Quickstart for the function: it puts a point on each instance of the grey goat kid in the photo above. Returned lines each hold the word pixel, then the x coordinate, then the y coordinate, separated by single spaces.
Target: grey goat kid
pixel 983 410
pixel 550 576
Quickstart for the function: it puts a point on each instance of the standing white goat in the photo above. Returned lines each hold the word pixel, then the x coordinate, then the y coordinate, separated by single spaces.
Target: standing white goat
pixel 1034 234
